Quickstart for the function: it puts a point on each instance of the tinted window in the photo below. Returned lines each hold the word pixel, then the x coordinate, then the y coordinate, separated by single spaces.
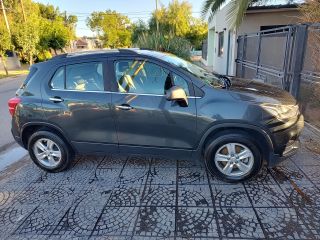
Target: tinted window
pixel 31 75
pixel 142 77
pixel 57 81
pixel 179 81
pixel 85 77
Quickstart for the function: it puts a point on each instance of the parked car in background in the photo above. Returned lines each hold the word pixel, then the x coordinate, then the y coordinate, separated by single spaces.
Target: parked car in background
pixel 144 102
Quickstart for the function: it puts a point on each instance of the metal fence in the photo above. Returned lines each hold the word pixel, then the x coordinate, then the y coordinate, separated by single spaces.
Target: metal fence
pixel 286 57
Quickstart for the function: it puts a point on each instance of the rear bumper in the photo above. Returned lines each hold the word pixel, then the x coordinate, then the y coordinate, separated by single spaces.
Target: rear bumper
pixel 286 143
pixel 17 139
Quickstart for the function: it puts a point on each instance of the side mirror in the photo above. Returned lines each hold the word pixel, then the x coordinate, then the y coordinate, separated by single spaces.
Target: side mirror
pixel 177 94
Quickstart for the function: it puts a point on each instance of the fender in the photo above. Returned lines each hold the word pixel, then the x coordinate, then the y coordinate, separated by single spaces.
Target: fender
pixel 46 124
pixel 242 125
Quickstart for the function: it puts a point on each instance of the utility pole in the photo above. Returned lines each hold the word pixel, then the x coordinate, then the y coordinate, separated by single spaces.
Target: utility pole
pixel 5 17
pixel 157 21
pixel 8 27
pixel 23 13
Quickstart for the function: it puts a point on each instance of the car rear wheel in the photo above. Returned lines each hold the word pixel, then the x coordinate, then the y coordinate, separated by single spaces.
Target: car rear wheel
pixel 233 157
pixel 49 151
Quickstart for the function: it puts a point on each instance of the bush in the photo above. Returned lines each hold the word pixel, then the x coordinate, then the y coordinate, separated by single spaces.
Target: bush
pixel 43 56
pixel 171 44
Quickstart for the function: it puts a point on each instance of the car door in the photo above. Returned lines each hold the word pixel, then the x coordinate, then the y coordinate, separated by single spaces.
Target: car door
pixel 77 102
pixel 144 117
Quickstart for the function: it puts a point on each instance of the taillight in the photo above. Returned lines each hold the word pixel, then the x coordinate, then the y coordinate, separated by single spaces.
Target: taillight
pixel 12 103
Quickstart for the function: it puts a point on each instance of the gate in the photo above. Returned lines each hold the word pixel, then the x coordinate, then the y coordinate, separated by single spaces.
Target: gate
pixel 286 57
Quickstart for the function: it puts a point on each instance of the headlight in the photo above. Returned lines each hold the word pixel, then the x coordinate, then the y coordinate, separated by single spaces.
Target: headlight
pixel 282 112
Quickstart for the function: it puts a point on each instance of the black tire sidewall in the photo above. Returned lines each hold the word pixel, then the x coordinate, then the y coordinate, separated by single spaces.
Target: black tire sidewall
pixel 243 139
pixel 65 153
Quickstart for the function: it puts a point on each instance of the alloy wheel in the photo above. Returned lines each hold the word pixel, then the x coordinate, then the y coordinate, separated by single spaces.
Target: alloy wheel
pixel 234 159
pixel 47 152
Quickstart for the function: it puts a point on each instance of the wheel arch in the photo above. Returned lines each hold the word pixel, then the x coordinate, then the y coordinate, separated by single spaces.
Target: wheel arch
pixel 29 128
pixel 261 136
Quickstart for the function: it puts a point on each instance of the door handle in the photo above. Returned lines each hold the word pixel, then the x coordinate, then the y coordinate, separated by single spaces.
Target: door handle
pixel 124 107
pixel 56 99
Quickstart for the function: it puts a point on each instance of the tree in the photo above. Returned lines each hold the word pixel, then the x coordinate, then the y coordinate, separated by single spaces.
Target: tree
pixel 25 34
pixel 138 29
pixel 177 20
pixel 48 11
pixel 54 35
pixel 198 32
pixel 236 12
pixel 113 28
pixel 44 28
pixel 5 44
pixel 26 39
pixel 56 29
pixel 174 20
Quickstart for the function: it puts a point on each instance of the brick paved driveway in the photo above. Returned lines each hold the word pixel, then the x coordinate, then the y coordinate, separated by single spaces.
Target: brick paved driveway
pixel 118 197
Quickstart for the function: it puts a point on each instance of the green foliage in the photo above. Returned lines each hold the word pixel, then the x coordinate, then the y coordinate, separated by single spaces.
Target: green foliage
pixel 198 32
pixel 113 28
pixel 48 11
pixel 177 20
pixel 54 35
pixel 26 34
pixel 43 28
pixel 5 40
pixel 43 56
pixel 5 44
pixel 172 44
pixel 138 29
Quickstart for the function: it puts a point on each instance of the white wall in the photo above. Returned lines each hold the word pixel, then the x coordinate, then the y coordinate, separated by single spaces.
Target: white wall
pixel 252 23
pixel 218 24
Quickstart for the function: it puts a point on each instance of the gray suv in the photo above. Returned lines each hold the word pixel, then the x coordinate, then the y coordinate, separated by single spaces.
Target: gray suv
pixel 145 102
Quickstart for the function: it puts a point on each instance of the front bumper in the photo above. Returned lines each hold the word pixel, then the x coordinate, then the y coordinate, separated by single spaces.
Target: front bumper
pixel 286 142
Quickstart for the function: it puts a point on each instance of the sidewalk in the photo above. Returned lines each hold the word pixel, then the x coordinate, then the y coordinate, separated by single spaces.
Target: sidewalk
pixel 121 197
pixel 8 87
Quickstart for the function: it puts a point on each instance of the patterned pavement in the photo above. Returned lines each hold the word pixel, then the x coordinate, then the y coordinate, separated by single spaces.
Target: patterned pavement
pixel 132 197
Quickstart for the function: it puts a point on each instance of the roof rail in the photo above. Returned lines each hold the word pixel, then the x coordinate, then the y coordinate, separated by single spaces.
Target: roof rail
pixel 128 50
pixel 64 55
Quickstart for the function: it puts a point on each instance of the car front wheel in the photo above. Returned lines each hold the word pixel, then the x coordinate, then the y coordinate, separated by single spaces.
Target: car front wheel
pixel 233 157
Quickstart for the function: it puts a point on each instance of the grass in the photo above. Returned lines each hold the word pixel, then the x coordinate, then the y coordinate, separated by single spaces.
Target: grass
pixel 13 73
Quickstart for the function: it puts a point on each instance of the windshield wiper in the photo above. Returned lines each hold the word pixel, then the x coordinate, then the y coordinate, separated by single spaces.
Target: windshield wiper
pixel 226 81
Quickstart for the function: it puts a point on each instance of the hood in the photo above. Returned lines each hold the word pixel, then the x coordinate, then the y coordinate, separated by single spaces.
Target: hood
pixel 254 91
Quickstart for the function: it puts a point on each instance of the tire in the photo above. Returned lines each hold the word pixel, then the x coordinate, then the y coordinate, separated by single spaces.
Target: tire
pixel 57 159
pixel 233 167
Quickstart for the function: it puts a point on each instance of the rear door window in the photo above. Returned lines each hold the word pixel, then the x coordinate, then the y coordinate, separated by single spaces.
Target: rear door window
pixel 85 77
pixel 79 77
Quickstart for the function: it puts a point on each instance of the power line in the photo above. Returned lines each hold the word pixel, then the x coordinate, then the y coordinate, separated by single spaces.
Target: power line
pixel 123 13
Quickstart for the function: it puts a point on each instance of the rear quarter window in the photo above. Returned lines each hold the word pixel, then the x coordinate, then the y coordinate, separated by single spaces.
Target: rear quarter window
pixel 31 75
pixel 57 81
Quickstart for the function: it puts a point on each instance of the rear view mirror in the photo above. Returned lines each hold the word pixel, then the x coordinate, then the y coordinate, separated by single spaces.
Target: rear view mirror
pixel 177 94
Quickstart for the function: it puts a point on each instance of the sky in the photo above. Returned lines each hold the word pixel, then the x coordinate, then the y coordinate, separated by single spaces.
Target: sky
pixel 134 9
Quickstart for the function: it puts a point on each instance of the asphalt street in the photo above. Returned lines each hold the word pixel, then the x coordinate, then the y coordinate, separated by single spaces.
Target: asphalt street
pixel 8 87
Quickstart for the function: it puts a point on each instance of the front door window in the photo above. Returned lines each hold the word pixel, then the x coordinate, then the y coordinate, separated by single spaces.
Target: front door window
pixel 143 77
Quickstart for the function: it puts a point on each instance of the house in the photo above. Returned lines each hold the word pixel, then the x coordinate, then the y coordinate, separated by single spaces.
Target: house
pixel 81 44
pixel 87 43
pixel 221 49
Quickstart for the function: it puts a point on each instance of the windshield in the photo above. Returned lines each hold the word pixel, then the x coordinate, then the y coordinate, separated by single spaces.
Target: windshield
pixel 200 73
